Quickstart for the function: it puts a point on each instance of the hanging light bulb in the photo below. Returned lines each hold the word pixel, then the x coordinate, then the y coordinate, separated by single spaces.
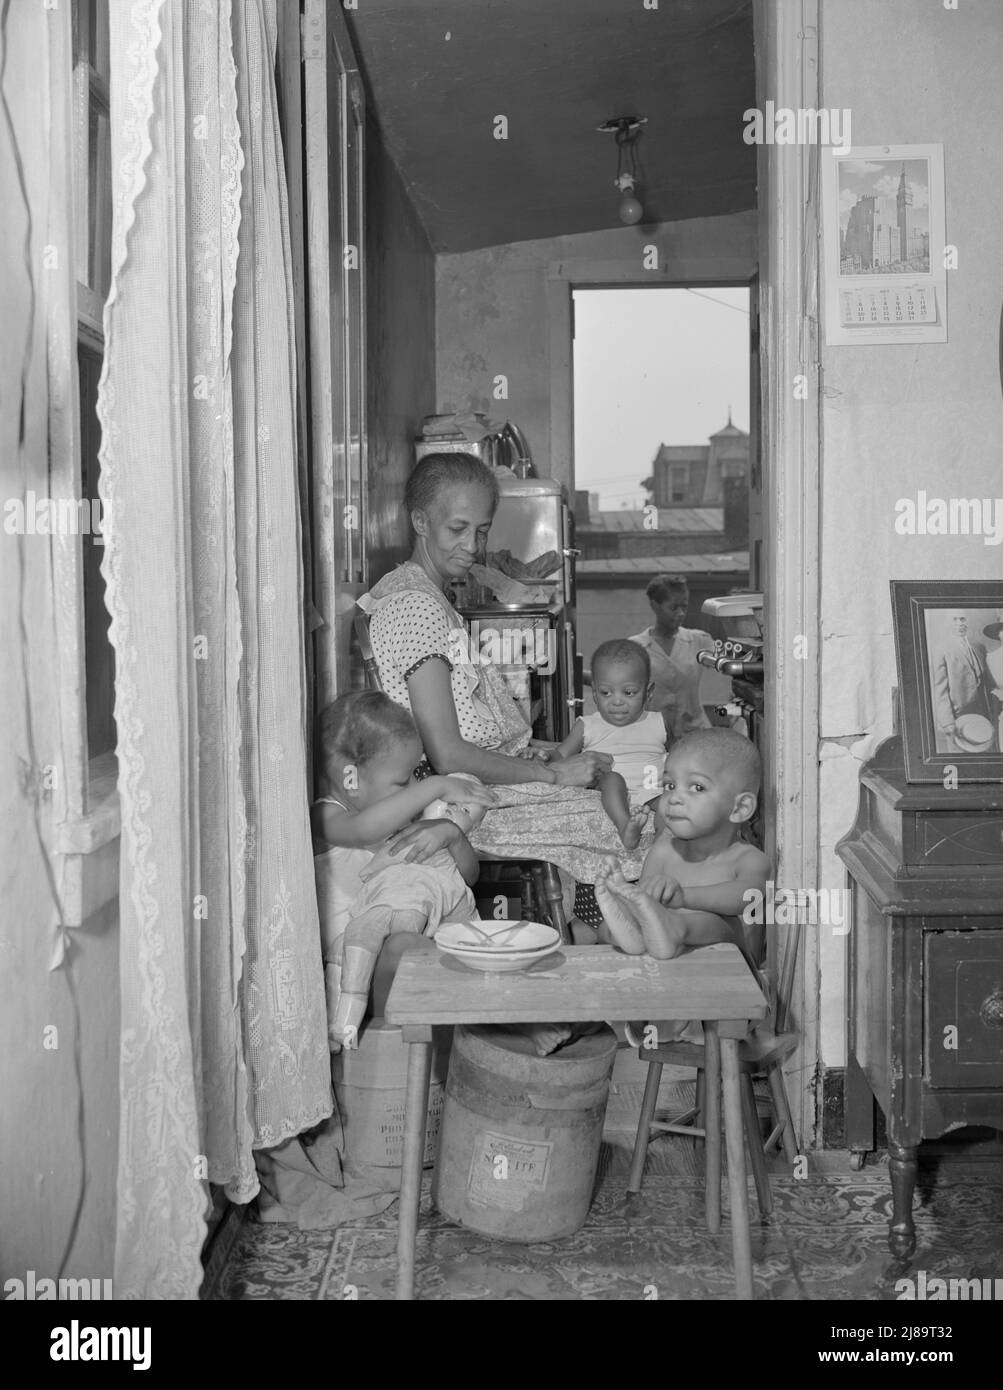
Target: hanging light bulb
pixel 630 210
pixel 626 129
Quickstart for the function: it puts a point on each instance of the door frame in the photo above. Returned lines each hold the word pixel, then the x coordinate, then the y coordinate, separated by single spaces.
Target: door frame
pixel 786 40
pixel 787 270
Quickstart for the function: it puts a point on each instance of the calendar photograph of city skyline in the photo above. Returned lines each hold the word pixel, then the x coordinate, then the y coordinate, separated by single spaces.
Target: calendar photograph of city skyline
pixel 884 216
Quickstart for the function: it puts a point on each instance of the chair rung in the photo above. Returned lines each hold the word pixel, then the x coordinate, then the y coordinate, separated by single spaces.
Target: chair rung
pixel 681 1119
pixel 774 1139
pixel 674 1127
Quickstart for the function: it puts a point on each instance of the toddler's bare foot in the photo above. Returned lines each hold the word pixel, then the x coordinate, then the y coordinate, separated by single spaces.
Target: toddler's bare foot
pixel 633 828
pixel 661 930
pixel 622 924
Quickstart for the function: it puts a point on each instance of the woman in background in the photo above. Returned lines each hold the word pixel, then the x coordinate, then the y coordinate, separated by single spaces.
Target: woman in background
pixel 672 650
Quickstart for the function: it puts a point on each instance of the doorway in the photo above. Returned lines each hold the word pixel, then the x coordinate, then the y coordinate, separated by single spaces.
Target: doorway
pixel 783 487
pixel 662 458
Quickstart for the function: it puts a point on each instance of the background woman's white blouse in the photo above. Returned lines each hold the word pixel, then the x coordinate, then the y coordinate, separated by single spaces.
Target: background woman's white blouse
pixel 676 677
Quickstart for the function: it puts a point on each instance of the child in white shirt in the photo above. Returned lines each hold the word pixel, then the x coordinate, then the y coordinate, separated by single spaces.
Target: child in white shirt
pixel 635 739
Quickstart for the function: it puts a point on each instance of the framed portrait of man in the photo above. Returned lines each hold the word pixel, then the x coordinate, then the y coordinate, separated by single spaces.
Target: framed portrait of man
pixel 949 650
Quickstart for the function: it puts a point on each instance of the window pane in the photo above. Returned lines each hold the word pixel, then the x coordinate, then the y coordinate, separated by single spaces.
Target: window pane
pixel 99 203
pixel 99 38
pixel 99 655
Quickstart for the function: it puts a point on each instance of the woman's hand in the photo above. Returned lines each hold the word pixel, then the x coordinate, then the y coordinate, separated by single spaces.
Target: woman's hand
pixel 416 843
pixel 457 791
pixel 581 770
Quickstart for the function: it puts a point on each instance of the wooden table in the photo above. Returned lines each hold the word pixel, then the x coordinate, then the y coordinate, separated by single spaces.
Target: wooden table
pixel 580 984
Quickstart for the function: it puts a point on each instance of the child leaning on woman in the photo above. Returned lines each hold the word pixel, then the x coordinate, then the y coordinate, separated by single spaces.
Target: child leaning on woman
pixel 385 882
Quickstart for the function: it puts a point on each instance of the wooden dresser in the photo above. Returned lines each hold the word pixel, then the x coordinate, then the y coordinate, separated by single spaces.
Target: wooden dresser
pixel 925 968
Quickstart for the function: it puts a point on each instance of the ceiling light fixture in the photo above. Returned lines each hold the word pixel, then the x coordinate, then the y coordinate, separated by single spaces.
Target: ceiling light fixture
pixel 626 129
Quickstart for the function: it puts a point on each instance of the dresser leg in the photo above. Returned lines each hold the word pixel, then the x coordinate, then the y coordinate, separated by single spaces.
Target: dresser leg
pixel 903 1164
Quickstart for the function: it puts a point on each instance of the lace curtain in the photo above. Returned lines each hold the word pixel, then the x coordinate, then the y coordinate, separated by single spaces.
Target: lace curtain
pixel 223 1027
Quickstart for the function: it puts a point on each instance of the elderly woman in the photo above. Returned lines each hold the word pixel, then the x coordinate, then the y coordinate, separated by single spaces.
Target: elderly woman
pixel 467 720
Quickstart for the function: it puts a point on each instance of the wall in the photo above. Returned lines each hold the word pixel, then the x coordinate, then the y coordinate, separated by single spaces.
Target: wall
pixel 492 314
pixel 400 329
pixel 58 1089
pixel 896 420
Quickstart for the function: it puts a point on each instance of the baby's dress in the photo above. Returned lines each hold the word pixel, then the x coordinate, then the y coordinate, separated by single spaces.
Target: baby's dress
pixel 337 872
pixel 637 750
pixel 352 882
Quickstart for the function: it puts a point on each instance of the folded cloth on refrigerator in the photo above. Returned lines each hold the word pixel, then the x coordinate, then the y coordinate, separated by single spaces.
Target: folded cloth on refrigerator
pixel 508 590
pixel 537 568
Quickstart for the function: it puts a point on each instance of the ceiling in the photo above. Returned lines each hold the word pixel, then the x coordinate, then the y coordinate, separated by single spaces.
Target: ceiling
pixel 557 69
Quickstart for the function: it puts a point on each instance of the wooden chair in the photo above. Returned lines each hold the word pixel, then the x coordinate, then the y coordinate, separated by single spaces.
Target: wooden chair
pixel 761 1055
pixel 540 883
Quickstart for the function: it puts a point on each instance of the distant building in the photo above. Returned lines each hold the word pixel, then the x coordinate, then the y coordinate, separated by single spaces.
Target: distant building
pixel 701 475
pixel 629 532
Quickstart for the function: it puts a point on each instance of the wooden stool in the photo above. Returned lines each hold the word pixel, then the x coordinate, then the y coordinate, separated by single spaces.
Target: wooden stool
pixel 757 1054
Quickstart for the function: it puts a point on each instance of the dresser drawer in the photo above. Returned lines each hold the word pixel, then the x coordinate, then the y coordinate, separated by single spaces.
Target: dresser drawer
pixel 964 1008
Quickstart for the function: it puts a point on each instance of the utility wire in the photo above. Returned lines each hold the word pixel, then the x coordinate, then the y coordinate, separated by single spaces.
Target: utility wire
pixel 723 302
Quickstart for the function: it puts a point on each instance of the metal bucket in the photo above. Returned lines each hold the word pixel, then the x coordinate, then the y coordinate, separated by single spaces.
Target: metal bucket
pixel 520 1134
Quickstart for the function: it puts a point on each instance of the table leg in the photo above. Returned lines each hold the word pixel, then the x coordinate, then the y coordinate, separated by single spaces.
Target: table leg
pixel 737 1188
pixel 712 1126
pixel 419 1066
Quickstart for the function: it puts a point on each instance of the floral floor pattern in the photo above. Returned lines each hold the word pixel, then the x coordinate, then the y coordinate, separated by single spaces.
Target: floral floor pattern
pixel 826 1240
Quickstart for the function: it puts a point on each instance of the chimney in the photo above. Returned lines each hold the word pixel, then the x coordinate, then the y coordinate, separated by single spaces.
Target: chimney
pixel 582 500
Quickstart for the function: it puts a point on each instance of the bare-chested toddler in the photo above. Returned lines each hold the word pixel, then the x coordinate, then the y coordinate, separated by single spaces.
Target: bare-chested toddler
pixel 697 876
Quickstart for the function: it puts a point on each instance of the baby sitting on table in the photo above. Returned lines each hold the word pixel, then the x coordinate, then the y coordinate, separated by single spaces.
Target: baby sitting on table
pixel 696 880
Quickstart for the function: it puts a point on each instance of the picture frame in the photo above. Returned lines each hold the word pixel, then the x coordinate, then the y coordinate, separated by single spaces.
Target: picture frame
pixel 884 242
pixel 949 654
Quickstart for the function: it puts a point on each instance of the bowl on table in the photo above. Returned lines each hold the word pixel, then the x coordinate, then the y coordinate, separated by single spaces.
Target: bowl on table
pixel 497 945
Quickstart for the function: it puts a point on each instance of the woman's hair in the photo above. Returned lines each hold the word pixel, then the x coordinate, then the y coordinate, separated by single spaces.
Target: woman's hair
pixel 437 472
pixel 354 728
pixel 622 650
pixel 664 585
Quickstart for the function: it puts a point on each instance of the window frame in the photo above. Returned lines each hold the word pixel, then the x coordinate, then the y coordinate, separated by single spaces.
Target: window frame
pixel 88 815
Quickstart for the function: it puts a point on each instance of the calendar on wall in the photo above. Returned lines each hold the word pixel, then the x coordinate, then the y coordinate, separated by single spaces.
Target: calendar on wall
pixel 886 252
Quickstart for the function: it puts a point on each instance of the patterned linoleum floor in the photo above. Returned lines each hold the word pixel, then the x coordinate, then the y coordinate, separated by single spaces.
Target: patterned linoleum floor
pixel 826 1240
